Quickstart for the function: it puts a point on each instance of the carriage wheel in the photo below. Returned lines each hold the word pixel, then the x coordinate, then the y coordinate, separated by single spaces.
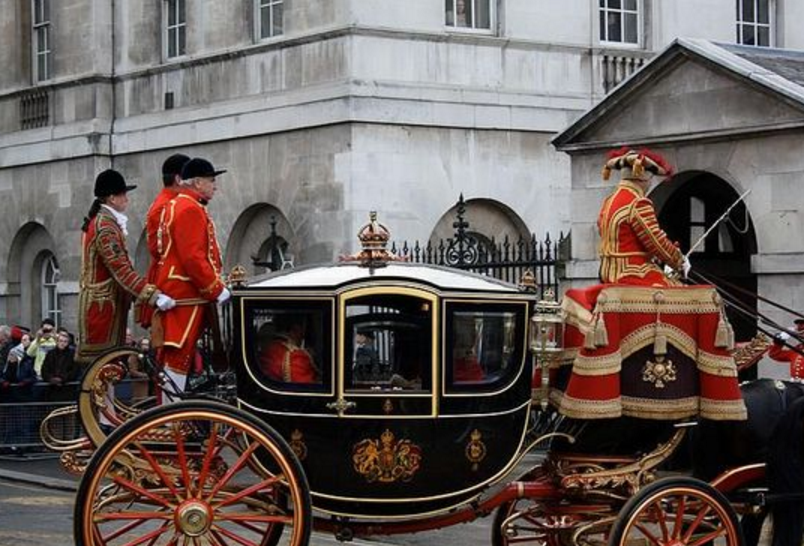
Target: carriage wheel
pixel 109 368
pixel 677 512
pixel 195 473
pixel 530 522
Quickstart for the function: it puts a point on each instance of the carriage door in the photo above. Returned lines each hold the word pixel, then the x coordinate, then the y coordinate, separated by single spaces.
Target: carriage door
pixel 387 353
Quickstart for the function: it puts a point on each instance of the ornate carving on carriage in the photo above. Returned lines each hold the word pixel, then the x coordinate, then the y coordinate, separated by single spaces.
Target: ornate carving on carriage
pixel 402 400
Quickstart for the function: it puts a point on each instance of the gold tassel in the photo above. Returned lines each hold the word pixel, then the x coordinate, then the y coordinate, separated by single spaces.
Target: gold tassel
pixel 659 344
pixel 601 335
pixel 637 167
pixel 589 339
pixel 722 334
pixel 730 346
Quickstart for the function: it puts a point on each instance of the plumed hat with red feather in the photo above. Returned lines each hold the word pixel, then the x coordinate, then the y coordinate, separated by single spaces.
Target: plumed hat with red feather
pixel 639 163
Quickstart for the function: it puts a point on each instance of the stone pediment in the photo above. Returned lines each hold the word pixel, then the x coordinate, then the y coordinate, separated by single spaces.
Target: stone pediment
pixel 693 90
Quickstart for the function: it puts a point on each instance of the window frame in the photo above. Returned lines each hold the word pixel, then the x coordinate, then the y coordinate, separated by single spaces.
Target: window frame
pixel 174 5
pixel 42 27
pixel 270 5
pixel 49 277
pixel 770 25
pixel 602 11
pixel 472 29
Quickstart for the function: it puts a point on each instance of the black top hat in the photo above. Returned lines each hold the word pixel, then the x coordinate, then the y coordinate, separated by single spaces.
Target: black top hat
pixel 173 165
pixel 798 321
pixel 199 167
pixel 366 332
pixel 111 182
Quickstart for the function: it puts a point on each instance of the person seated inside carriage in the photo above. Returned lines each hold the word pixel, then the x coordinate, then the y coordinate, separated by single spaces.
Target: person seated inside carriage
pixel 285 357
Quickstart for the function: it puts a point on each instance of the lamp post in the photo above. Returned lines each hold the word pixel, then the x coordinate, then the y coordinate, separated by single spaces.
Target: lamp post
pixel 546 338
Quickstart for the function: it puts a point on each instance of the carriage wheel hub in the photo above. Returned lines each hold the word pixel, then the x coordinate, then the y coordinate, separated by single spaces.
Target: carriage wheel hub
pixel 193 518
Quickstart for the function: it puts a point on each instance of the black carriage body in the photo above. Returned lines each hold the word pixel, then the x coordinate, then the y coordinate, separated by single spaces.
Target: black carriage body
pixel 420 395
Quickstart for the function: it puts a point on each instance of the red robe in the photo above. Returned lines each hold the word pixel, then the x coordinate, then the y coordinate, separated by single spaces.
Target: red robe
pixel 189 271
pixel 107 285
pixel 631 240
pixel 782 354
pixel 285 361
pixel 144 313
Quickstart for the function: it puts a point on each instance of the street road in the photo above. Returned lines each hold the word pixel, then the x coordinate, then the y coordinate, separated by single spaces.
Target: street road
pixel 33 515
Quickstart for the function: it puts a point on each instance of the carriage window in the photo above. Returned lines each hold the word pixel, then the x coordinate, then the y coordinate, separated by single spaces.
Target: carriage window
pixel 388 344
pixel 290 344
pixel 484 347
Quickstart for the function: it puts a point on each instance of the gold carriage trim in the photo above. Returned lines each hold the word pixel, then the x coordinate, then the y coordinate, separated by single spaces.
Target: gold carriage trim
pixel 720 365
pixel 386 460
pixel 476 449
pixel 297 444
pixel 723 410
pixel 598 365
pixel 635 299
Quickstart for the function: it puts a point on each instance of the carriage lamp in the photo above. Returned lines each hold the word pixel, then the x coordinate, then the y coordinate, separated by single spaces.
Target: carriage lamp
pixel 546 338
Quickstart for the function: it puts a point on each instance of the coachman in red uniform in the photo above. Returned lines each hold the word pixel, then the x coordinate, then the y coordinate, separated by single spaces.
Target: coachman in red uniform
pixel 108 281
pixel 190 269
pixel 632 245
pixel 795 358
pixel 171 177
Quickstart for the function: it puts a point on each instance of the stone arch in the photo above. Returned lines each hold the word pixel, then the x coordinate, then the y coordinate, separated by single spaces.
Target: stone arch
pixel 688 205
pixel 488 219
pixel 31 247
pixel 251 237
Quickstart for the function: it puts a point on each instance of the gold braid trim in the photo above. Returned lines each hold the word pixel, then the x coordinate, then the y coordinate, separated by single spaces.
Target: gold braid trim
pixel 645 335
pixel 635 299
pixel 721 366
pixel 664 410
pixel 590 409
pixel 598 365
pixel 148 294
pixel 723 410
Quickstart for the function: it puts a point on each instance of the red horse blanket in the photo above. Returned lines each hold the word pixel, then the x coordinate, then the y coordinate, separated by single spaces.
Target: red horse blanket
pixel 654 353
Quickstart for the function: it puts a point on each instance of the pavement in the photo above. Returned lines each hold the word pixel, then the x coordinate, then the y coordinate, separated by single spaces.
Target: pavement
pixel 42 469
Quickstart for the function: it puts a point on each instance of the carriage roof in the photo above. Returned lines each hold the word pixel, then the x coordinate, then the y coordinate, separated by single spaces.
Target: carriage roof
pixel 339 275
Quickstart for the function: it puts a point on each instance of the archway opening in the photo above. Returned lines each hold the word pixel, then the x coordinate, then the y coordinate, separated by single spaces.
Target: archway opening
pixel 692 203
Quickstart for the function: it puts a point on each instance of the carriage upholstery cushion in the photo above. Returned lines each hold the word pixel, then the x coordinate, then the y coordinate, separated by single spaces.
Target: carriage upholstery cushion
pixel 653 353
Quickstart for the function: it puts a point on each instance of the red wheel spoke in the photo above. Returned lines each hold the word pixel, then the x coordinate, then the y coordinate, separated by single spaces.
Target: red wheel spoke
pixel 515 540
pixel 215 539
pixel 123 516
pixel 254 517
pixel 123 530
pixel 141 491
pixel 650 536
pixel 148 536
pixel 159 471
pixel 246 492
pixel 234 469
pixel 234 536
pixel 696 522
pixel 202 478
pixel 679 516
pixel 252 528
pixel 719 532
pixel 185 474
pixel 662 517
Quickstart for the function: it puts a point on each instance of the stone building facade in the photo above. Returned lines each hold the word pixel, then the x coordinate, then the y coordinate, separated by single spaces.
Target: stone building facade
pixel 321 110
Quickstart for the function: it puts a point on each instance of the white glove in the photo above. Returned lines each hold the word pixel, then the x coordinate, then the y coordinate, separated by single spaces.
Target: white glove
pixel 669 271
pixel 224 296
pixel 165 302
pixel 686 266
pixel 783 336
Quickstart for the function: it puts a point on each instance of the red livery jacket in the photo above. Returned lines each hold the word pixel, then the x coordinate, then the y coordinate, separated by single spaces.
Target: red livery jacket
pixel 285 361
pixel 631 240
pixel 144 313
pixel 108 283
pixel 782 354
pixel 189 269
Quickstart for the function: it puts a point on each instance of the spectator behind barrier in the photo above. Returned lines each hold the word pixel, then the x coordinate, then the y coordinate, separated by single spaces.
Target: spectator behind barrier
pixel 6 342
pixel 43 342
pixel 59 368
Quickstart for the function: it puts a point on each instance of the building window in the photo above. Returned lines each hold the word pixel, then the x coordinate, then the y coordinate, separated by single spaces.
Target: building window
pixel 754 22
pixel 50 276
pixel 469 14
pixel 176 30
pixel 697 223
pixel 269 18
pixel 41 39
pixel 619 21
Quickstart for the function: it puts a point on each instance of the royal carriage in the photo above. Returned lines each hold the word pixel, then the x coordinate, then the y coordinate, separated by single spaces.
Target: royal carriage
pixel 375 397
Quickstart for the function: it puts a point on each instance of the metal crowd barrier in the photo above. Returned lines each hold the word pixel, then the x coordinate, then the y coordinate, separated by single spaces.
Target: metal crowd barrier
pixel 24 407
